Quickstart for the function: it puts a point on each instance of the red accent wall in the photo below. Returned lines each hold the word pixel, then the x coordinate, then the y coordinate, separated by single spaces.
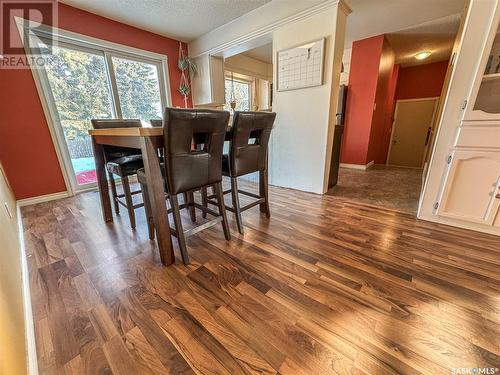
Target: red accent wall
pixel 389 118
pixel 382 108
pixel 375 83
pixel 421 81
pixel 26 148
pixel 363 76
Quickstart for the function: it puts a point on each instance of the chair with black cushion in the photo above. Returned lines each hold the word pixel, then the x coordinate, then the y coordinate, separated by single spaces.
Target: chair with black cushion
pixel 189 168
pixel 248 149
pixel 123 162
pixel 156 123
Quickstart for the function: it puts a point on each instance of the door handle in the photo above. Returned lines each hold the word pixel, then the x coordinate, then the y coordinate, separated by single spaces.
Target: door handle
pixel 428 136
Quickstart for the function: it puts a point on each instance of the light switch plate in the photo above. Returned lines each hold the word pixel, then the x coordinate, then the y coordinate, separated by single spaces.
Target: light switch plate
pixel 8 210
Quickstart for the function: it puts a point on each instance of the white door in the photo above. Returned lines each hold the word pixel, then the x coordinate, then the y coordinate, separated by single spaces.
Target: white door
pixel 411 132
pixel 471 187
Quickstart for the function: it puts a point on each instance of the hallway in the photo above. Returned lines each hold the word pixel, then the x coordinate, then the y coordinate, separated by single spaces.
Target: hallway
pixel 390 187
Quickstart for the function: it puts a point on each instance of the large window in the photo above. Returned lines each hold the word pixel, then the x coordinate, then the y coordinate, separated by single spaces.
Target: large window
pixel 82 82
pixel 138 89
pixel 242 94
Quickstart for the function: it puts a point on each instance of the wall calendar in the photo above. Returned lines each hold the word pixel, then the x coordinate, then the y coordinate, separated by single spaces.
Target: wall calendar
pixel 300 67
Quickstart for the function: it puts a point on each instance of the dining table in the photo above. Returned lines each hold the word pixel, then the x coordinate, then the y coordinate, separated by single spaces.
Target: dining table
pixel 149 140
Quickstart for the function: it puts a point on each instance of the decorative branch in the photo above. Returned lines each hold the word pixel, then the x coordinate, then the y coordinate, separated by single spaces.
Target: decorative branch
pixel 188 69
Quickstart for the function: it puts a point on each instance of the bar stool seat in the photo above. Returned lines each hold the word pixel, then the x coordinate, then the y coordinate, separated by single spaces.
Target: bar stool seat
pixel 123 162
pixel 125 166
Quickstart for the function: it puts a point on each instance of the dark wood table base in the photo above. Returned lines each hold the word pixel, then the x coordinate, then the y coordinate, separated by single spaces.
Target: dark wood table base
pixel 148 140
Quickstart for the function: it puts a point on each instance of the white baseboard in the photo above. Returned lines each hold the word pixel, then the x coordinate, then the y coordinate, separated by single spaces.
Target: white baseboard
pixel 357 166
pixel 460 224
pixel 42 198
pixel 29 325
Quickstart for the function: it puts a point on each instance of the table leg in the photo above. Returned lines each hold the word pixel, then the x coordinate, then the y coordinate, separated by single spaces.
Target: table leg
pixel 263 190
pixel 102 181
pixel 156 192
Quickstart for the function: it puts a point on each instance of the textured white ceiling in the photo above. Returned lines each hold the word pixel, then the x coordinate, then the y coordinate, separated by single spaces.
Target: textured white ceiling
pixel 263 53
pixel 375 17
pixel 181 19
pixel 436 36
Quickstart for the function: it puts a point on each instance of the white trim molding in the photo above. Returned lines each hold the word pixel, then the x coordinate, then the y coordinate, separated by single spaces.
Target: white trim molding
pixel 29 326
pixel 358 166
pixel 43 198
pixel 260 21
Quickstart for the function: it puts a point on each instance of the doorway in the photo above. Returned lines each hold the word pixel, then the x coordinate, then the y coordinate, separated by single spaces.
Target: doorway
pixel 411 132
pixel 389 127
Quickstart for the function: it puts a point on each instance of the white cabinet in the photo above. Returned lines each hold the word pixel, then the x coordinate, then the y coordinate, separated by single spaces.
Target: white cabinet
pixel 471 187
pixel 208 86
pixel 484 101
pixel 462 186
pixel 496 223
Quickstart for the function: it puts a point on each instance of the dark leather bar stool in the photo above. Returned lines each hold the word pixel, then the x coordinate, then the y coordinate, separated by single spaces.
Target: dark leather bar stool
pixel 248 149
pixel 156 123
pixel 123 162
pixel 187 169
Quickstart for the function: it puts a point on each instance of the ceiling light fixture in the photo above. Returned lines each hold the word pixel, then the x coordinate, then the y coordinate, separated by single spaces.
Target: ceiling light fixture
pixel 423 55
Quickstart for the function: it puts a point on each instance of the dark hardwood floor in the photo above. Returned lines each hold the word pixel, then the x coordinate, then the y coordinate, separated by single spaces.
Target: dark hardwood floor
pixel 326 286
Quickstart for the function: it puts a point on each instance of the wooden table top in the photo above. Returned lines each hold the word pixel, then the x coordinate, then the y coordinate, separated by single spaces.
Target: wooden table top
pixel 132 132
pixel 128 132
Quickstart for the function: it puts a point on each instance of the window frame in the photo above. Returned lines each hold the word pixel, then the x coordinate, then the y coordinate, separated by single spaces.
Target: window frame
pixel 237 78
pixel 84 43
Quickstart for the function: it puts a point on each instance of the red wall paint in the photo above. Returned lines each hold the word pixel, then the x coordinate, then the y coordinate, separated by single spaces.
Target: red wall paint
pixel 363 76
pixel 389 119
pixel 373 78
pixel 421 81
pixel 381 112
pixel 26 148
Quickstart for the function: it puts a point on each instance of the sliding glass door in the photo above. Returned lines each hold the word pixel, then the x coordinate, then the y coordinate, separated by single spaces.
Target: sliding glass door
pixel 137 85
pixel 80 91
pixel 81 83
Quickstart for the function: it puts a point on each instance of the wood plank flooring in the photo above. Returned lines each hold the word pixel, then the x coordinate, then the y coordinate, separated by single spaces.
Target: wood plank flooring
pixel 326 286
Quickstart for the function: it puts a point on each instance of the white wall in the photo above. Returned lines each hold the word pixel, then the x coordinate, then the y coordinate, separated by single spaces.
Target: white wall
pixel 249 66
pixel 13 347
pixel 300 140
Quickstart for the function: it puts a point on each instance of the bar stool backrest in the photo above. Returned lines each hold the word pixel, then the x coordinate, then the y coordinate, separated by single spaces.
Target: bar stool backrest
pixel 115 152
pixel 249 142
pixel 189 167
